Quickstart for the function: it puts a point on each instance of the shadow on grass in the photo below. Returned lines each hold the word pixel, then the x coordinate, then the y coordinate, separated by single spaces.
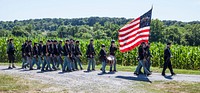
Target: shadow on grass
pixel 143 78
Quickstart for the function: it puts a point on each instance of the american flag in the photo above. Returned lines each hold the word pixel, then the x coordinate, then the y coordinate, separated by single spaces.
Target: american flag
pixel 135 32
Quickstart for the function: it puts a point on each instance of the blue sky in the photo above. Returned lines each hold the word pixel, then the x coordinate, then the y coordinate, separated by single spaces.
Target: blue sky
pixel 181 10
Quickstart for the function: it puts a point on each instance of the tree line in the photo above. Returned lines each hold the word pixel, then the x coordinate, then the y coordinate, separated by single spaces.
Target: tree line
pixel 183 33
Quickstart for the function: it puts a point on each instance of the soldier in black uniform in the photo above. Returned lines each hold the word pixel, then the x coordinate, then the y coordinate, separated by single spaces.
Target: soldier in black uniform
pixel 167 63
pixel 72 48
pixel 24 60
pixel 49 51
pixel 55 54
pixel 28 51
pixel 35 57
pixel 46 55
pixel 149 56
pixel 10 53
pixel 59 57
pixel 78 54
pixel 40 54
pixel 113 49
pixel 102 58
pixel 44 51
pixel 52 53
pixel 90 55
pixel 67 55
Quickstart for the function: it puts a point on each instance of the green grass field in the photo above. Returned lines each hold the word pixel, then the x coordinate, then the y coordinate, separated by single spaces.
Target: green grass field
pixel 170 87
pixel 10 84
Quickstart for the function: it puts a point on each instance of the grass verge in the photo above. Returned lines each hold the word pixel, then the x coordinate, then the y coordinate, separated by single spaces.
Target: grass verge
pixel 10 84
pixel 170 87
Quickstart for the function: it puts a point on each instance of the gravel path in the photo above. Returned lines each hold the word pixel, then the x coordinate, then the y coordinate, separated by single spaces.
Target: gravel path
pixel 80 81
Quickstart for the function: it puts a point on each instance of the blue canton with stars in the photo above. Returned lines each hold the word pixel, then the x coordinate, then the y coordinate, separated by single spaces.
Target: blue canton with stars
pixel 145 19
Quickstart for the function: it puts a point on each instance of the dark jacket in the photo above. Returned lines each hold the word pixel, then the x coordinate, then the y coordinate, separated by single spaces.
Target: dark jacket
pixel 10 49
pixel 28 50
pixel 90 51
pixel 112 50
pixel 141 52
pixel 67 50
pixel 44 51
pixel 60 49
pixel 77 50
pixel 148 53
pixel 102 54
pixel 23 49
pixel 35 50
pixel 55 50
pixel 49 49
pixel 40 49
pixel 167 53
pixel 72 48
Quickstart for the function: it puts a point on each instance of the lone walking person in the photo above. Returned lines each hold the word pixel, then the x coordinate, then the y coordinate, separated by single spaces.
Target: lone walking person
pixel 10 52
pixel 167 63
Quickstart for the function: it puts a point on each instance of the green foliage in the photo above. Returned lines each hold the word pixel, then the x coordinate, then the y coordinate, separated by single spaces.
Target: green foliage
pixel 182 33
pixel 184 57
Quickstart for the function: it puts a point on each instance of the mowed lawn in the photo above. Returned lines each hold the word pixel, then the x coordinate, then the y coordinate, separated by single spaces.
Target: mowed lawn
pixel 13 84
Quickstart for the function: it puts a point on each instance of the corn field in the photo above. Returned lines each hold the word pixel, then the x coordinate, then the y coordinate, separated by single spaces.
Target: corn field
pixel 184 57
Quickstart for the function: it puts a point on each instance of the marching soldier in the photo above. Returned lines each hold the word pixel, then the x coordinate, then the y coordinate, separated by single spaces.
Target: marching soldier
pixel 90 55
pixel 10 53
pixel 147 58
pixel 67 55
pixel 78 54
pixel 28 52
pixel 35 56
pixel 113 49
pixel 49 55
pixel 148 63
pixel 46 55
pixel 59 57
pixel 55 54
pixel 72 48
pixel 102 58
pixel 24 60
pixel 167 63
pixel 40 54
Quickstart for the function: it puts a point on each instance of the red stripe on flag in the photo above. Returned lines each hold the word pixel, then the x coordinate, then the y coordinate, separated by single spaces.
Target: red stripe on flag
pixel 134 46
pixel 122 35
pixel 138 37
pixel 142 31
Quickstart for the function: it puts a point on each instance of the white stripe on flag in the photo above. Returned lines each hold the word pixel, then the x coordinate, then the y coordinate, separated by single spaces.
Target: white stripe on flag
pixel 138 40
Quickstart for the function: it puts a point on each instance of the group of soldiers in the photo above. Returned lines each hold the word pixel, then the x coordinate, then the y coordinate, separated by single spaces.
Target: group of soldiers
pixel 50 56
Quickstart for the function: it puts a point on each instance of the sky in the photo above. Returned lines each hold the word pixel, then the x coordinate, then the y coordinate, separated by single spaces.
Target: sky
pixel 181 10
